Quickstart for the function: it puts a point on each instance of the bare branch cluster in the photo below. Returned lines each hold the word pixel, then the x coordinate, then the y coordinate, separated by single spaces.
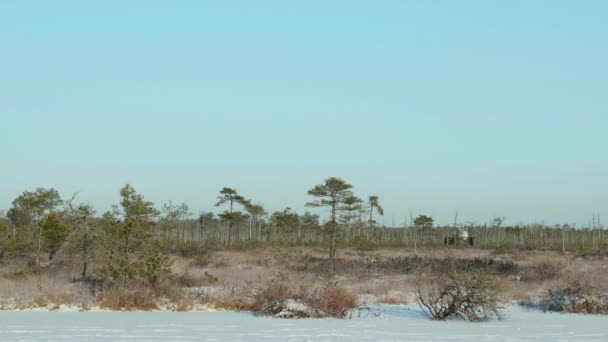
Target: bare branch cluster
pixel 467 295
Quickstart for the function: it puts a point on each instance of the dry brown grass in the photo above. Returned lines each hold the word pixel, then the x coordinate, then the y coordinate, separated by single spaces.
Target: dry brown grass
pixel 234 303
pixel 42 291
pixel 394 298
pixel 122 299
pixel 388 275
pixel 335 301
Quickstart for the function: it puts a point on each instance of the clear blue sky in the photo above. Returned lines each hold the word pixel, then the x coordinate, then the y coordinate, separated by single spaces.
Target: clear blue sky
pixel 485 107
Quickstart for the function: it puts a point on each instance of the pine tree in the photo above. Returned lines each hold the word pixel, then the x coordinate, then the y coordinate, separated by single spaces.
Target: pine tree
pixel 350 211
pixel 424 225
pixel 84 233
pixel 4 238
pixel 131 253
pixel 332 193
pixel 231 217
pixel 54 233
pixel 285 222
pixel 30 208
pixel 374 204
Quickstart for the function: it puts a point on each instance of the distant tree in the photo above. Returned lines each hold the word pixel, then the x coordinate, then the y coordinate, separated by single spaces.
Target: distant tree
pixel 205 220
pixel 13 243
pixel 135 207
pixel 374 205
pixel 173 217
pixel 4 238
pixel 254 211
pixel 424 222
pixel 310 222
pixel 231 216
pixel 285 221
pixel 232 219
pixel 54 233
pixel 131 253
pixel 4 231
pixel 350 211
pixel 84 232
pixel 30 208
pixel 231 196
pixel 424 225
pixel 497 223
pixel 332 193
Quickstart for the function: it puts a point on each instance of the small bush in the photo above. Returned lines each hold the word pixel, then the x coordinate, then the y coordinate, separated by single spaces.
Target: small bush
pixel 284 300
pixel 575 298
pixel 19 275
pixel 361 243
pixel 467 295
pixel 334 301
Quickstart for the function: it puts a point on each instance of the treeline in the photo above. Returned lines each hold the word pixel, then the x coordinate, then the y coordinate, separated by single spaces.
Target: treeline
pixel 131 241
pixel 120 243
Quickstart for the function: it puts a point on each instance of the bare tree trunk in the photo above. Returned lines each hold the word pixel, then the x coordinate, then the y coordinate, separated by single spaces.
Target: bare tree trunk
pixel 259 230
pixel 250 226
pixel 229 235
pixel 371 222
pixel 334 232
pixel 415 241
pixel 39 245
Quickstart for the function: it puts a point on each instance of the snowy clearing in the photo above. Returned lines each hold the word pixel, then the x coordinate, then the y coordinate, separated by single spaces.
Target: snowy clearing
pixel 385 323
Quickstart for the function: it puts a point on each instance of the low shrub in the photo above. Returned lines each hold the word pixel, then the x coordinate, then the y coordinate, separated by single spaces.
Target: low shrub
pixel 467 295
pixel 19 274
pixel 407 265
pixel 334 301
pixel 285 300
pixel 575 298
pixel 361 243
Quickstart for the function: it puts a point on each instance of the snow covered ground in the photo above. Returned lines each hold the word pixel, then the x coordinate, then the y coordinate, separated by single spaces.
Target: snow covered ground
pixel 386 323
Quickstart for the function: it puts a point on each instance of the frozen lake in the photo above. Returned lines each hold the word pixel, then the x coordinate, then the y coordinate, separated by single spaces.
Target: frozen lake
pixel 392 324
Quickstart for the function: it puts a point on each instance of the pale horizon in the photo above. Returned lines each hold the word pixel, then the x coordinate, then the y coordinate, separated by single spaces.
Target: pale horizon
pixel 521 197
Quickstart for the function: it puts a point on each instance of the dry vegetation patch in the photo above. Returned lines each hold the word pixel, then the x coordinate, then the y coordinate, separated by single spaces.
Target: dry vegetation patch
pixel 575 298
pixel 467 295
pixel 243 279
pixel 287 300
pixel 122 299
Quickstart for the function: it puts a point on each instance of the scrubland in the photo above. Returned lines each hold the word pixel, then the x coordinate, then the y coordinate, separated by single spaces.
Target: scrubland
pixel 258 278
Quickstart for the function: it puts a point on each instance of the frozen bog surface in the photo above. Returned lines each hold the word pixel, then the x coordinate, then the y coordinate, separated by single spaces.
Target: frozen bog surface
pixel 383 323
